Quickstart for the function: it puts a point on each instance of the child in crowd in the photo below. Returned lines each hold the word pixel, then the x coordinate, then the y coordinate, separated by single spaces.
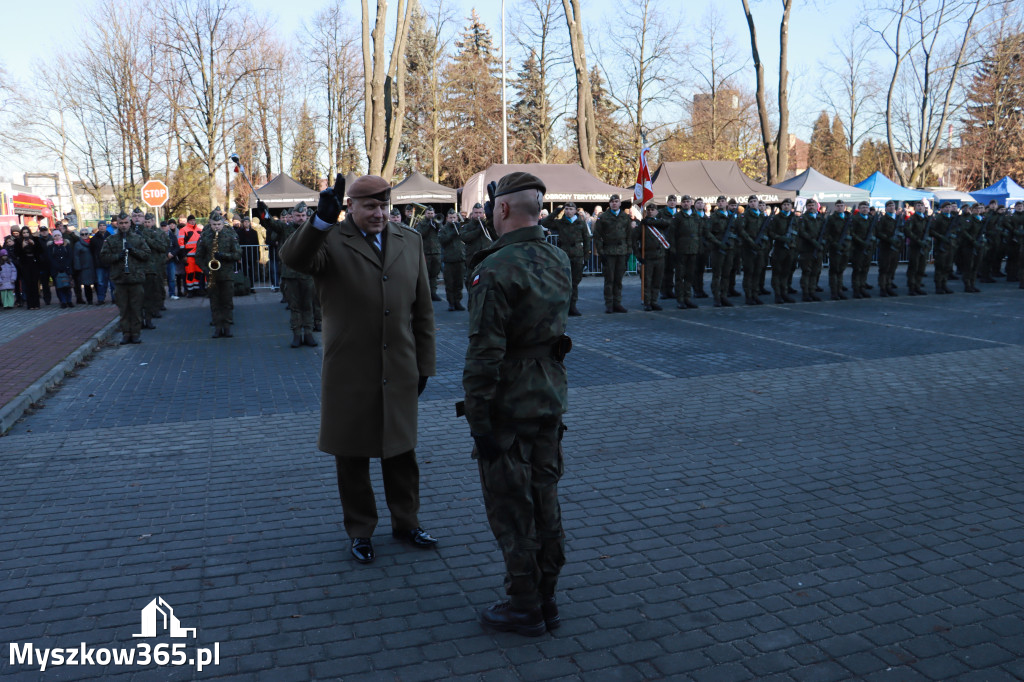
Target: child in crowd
pixel 8 275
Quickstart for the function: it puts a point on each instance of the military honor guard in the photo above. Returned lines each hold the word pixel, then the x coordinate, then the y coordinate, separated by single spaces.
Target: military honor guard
pixel 890 241
pixel 296 286
pixel 429 228
pixel 752 233
pixel 919 246
pixel 650 247
pixel 862 247
pixel 454 254
pixel 783 234
pixel 810 250
pixel 611 242
pixel 574 238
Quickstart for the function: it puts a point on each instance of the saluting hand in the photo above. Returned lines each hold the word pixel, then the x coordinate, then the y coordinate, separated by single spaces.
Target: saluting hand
pixel 329 207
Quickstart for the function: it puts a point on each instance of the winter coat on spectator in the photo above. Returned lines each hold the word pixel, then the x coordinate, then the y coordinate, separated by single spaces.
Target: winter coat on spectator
pixel 84 263
pixel 8 275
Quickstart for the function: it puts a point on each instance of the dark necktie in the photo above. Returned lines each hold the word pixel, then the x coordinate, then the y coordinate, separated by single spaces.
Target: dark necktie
pixel 371 239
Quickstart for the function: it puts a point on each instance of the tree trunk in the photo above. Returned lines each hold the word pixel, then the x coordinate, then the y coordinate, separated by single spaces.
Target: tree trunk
pixel 586 126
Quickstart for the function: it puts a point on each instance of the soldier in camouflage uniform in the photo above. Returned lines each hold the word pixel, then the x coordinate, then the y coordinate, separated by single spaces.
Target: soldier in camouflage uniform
pixel 945 227
pixel 810 247
pixel 862 242
pixel 429 228
pixel 516 392
pixel 751 255
pixel 722 237
pixel 220 284
pixel 477 234
pixel 126 253
pixel 158 244
pixel 685 241
pixel 650 247
pixel 701 262
pixel 970 238
pixel 454 251
pixel 919 244
pixel 1018 232
pixel 783 234
pixel 574 239
pixel 668 213
pixel 149 283
pixel 837 236
pixel 1012 241
pixel 296 286
pixel 890 241
pixel 611 242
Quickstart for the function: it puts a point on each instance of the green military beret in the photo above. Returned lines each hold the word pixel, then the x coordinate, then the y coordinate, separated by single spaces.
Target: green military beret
pixel 517 182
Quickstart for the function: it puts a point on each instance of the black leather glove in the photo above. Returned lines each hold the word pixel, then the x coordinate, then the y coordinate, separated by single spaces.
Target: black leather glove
pixel 489 206
pixel 262 210
pixel 422 386
pixel 218 255
pixel 487 446
pixel 641 261
pixel 330 205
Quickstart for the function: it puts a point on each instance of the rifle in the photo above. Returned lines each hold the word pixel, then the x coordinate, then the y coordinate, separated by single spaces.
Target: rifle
pixel 898 236
pixel 728 236
pixel 819 243
pixel 764 229
pixel 844 235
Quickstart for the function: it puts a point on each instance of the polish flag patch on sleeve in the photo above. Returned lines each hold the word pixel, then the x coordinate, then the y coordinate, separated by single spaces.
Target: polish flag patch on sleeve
pixel 476 279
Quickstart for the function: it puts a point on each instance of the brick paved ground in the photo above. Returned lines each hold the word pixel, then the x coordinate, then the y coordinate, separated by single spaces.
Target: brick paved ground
pixel 819 491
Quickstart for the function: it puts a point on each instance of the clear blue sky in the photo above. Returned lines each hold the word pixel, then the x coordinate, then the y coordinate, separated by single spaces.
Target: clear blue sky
pixel 812 28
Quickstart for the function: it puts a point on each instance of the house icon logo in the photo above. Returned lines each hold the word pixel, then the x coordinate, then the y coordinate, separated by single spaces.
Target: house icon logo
pixel 158 611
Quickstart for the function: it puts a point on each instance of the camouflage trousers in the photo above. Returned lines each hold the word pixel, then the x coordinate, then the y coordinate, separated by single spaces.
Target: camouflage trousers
pixel 653 271
pixel 299 294
pixel 129 304
pixel 888 259
pixel 860 264
pixel 916 260
pixel 520 490
pixel 576 265
pixel 810 272
pixel 433 270
pixel 837 261
pixel 686 264
pixel 152 301
pixel 222 301
pixel 613 268
pixel 454 276
pixel 721 271
pixel 783 267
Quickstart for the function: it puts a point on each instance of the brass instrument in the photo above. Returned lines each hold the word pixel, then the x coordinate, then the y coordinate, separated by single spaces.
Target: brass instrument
pixel 214 264
pixel 124 245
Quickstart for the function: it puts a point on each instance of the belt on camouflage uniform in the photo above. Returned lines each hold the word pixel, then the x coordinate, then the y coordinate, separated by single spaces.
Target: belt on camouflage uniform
pixel 556 350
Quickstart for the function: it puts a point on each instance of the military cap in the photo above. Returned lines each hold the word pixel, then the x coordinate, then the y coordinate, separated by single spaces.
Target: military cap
pixel 518 182
pixel 478 205
pixel 396 211
pixel 150 216
pixel 752 197
pixel 122 215
pixel 215 214
pixel 570 204
pixel 300 207
pixel 137 210
pixel 721 197
pixel 651 206
pixel 686 197
pixel 614 197
pixel 451 211
pixel 370 187
pixel 672 197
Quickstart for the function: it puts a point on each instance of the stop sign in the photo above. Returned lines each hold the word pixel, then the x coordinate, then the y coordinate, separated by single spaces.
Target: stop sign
pixel 154 193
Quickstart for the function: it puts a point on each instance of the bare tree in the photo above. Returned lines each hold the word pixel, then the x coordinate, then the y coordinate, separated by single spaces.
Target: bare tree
pixel 211 59
pixel 852 91
pixel 776 144
pixel 586 125
pixel 384 86
pixel 930 42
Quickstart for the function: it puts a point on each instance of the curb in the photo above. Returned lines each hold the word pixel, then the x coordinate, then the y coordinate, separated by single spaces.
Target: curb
pixel 13 410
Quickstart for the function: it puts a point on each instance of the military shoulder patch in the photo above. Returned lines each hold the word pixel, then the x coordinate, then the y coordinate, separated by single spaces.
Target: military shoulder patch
pixel 476 280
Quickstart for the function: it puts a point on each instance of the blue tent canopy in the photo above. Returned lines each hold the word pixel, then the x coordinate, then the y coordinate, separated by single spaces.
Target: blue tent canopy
pixel 1006 192
pixel 882 189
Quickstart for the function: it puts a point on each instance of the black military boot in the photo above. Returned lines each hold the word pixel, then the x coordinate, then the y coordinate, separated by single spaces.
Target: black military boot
pixel 307 338
pixel 226 332
pixel 459 306
pixel 317 327
pixel 549 609
pixel 136 338
pixel 726 303
pixel 296 338
pixel 779 299
pixel 863 293
pixel 619 308
pixel 125 339
pixel 217 333
pixel 574 311
pixel 654 306
pixel 608 310
pixel 503 618
pixel 434 296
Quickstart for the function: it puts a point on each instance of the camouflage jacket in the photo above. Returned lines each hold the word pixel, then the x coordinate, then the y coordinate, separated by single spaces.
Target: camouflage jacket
pixel 944 233
pixel 747 228
pixel 646 244
pixel 686 234
pixel 277 232
pixel 860 232
pixel 452 246
pixel 518 308
pixel 835 225
pixel 807 233
pixel 573 236
pixel 888 235
pixel 429 230
pixel 227 246
pixel 783 230
pixel 112 255
pixel 917 225
pixel 476 236
pixel 723 224
pixel 611 234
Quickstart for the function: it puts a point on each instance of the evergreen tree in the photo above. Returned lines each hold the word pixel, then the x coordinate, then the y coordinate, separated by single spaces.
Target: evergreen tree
pixel 424 58
pixel 838 155
pixel 872 155
pixel 992 143
pixel 820 144
pixel 530 137
pixel 472 105
pixel 304 152
pixel 616 158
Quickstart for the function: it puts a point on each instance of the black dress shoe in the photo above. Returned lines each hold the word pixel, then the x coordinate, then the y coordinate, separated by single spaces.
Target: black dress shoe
pixel 417 537
pixel 549 609
pixel 459 306
pixel 691 304
pixel 764 291
pixel 503 618
pixel 362 550
pixel 619 308
pixel 655 306
pixel 435 297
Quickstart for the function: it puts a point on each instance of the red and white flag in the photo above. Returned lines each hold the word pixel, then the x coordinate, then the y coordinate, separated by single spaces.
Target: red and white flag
pixel 644 189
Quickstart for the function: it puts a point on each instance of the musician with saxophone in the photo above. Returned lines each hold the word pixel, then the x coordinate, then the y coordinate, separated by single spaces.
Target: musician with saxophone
pixel 126 254
pixel 217 253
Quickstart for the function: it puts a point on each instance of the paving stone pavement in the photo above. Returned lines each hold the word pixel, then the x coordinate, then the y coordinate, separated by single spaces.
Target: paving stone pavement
pixel 826 491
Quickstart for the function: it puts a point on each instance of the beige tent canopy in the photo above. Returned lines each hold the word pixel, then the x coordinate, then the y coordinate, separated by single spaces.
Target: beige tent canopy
pixel 285 192
pixel 708 180
pixel 565 182
pixel 421 190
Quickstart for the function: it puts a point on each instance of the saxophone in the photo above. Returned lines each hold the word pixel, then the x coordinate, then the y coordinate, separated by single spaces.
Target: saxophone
pixel 214 264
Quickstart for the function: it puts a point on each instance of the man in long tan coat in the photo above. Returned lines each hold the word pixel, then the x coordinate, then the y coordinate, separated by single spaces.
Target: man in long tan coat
pixel 378 340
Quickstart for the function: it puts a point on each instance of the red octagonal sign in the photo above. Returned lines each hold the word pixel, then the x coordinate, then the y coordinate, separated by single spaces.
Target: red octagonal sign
pixel 154 193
